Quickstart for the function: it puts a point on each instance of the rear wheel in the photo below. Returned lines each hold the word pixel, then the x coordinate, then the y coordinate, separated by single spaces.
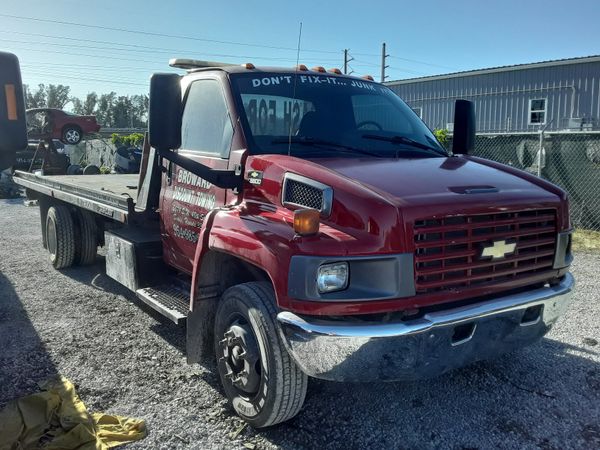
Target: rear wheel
pixel 86 244
pixel 262 382
pixel 60 236
pixel 71 135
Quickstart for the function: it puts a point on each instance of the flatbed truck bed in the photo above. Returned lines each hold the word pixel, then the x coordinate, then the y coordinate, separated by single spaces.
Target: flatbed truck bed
pixel 112 196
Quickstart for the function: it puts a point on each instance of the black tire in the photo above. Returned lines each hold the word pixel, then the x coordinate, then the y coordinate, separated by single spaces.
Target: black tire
pixel 275 389
pixel 91 170
pixel 86 244
pixel 74 169
pixel 71 134
pixel 60 236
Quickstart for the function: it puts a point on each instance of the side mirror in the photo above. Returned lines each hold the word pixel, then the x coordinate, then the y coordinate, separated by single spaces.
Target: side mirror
pixel 164 121
pixel 463 139
pixel 13 126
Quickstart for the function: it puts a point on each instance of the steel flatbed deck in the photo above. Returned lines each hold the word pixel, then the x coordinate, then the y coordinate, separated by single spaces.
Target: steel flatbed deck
pixel 112 196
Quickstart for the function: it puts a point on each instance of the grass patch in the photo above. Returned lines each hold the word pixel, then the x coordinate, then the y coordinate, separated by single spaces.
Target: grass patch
pixel 586 240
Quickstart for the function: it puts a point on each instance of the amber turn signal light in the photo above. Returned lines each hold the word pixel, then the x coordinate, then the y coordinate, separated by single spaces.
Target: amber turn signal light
pixel 11 101
pixel 306 221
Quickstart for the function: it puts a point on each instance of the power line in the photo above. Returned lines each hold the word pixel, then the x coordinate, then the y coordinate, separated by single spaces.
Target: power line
pixel 42 73
pixel 59 72
pixel 415 61
pixel 150 50
pixel 90 56
pixel 149 33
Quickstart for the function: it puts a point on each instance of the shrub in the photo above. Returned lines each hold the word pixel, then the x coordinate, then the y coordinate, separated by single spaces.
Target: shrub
pixel 132 140
pixel 442 136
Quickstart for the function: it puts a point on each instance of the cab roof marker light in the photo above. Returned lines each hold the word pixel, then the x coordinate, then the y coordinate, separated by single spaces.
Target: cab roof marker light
pixel 368 77
pixel 335 70
pixel 319 69
pixel 248 66
pixel 301 67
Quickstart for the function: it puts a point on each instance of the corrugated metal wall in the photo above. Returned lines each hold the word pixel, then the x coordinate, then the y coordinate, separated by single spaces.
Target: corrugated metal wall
pixel 502 98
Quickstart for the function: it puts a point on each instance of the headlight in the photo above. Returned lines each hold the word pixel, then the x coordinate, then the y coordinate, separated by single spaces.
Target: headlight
pixel 332 277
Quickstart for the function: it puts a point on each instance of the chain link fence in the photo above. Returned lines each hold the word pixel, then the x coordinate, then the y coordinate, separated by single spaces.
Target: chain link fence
pixel 568 159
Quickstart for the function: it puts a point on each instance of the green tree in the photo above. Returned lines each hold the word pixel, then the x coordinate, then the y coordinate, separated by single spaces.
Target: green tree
pixel 104 110
pixel 123 113
pixel 57 96
pixel 77 105
pixel 89 105
pixel 140 109
pixel 35 99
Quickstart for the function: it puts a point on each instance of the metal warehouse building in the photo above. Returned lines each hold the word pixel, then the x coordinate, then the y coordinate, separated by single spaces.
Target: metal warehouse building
pixel 552 95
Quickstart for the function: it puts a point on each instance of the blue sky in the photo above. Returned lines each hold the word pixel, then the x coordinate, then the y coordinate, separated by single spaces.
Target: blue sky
pixel 423 37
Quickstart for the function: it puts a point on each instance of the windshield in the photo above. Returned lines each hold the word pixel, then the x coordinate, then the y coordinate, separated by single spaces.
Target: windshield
pixel 326 114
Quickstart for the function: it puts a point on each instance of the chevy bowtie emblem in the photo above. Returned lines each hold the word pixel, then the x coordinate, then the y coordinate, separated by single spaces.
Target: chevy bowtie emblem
pixel 255 177
pixel 498 250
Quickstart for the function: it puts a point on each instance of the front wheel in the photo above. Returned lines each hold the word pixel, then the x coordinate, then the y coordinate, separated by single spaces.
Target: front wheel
pixel 262 382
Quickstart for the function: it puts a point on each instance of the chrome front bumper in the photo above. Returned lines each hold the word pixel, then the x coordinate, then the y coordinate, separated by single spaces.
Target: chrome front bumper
pixel 427 346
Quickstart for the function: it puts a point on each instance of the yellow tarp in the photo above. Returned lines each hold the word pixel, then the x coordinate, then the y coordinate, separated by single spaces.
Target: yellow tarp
pixel 57 419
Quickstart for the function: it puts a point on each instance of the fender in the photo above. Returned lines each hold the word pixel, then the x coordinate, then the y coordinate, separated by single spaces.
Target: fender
pixel 247 237
pixel 243 236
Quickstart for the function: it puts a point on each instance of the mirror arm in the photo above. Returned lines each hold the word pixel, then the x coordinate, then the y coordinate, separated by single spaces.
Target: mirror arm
pixel 226 179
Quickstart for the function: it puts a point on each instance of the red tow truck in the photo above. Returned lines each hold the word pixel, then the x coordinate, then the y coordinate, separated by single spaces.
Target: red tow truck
pixel 304 223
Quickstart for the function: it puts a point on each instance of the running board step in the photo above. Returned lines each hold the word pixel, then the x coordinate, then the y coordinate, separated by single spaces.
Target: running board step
pixel 169 300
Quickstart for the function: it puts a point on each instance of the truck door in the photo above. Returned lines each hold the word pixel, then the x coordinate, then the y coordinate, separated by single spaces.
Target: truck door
pixel 206 136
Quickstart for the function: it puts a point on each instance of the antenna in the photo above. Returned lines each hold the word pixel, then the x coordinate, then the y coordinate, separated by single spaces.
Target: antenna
pixel 294 92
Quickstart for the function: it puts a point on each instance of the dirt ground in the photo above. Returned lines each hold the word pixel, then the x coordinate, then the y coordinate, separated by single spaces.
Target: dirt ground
pixel 127 360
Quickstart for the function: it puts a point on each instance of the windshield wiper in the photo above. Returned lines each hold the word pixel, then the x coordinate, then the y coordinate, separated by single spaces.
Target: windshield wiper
pixel 315 142
pixel 404 140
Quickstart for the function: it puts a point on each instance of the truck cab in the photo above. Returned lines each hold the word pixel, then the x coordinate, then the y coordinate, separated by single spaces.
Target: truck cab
pixel 307 223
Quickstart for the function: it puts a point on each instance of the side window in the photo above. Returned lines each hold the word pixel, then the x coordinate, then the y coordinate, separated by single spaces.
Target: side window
pixel 537 111
pixel 206 126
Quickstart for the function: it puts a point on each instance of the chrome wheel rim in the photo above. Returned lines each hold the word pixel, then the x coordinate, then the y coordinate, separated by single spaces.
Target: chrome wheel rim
pixel 72 136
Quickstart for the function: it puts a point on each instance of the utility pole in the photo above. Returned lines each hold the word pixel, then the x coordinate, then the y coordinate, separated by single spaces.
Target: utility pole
pixel 384 55
pixel 347 59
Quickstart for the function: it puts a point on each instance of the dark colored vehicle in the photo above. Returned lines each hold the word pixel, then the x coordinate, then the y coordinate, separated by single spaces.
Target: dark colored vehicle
pixel 25 158
pixel 305 223
pixel 128 159
pixel 51 123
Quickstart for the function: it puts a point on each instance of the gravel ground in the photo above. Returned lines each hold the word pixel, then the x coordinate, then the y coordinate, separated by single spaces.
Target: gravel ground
pixel 124 359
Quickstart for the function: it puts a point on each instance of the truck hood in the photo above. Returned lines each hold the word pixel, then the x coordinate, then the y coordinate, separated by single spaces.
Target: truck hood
pixel 411 182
